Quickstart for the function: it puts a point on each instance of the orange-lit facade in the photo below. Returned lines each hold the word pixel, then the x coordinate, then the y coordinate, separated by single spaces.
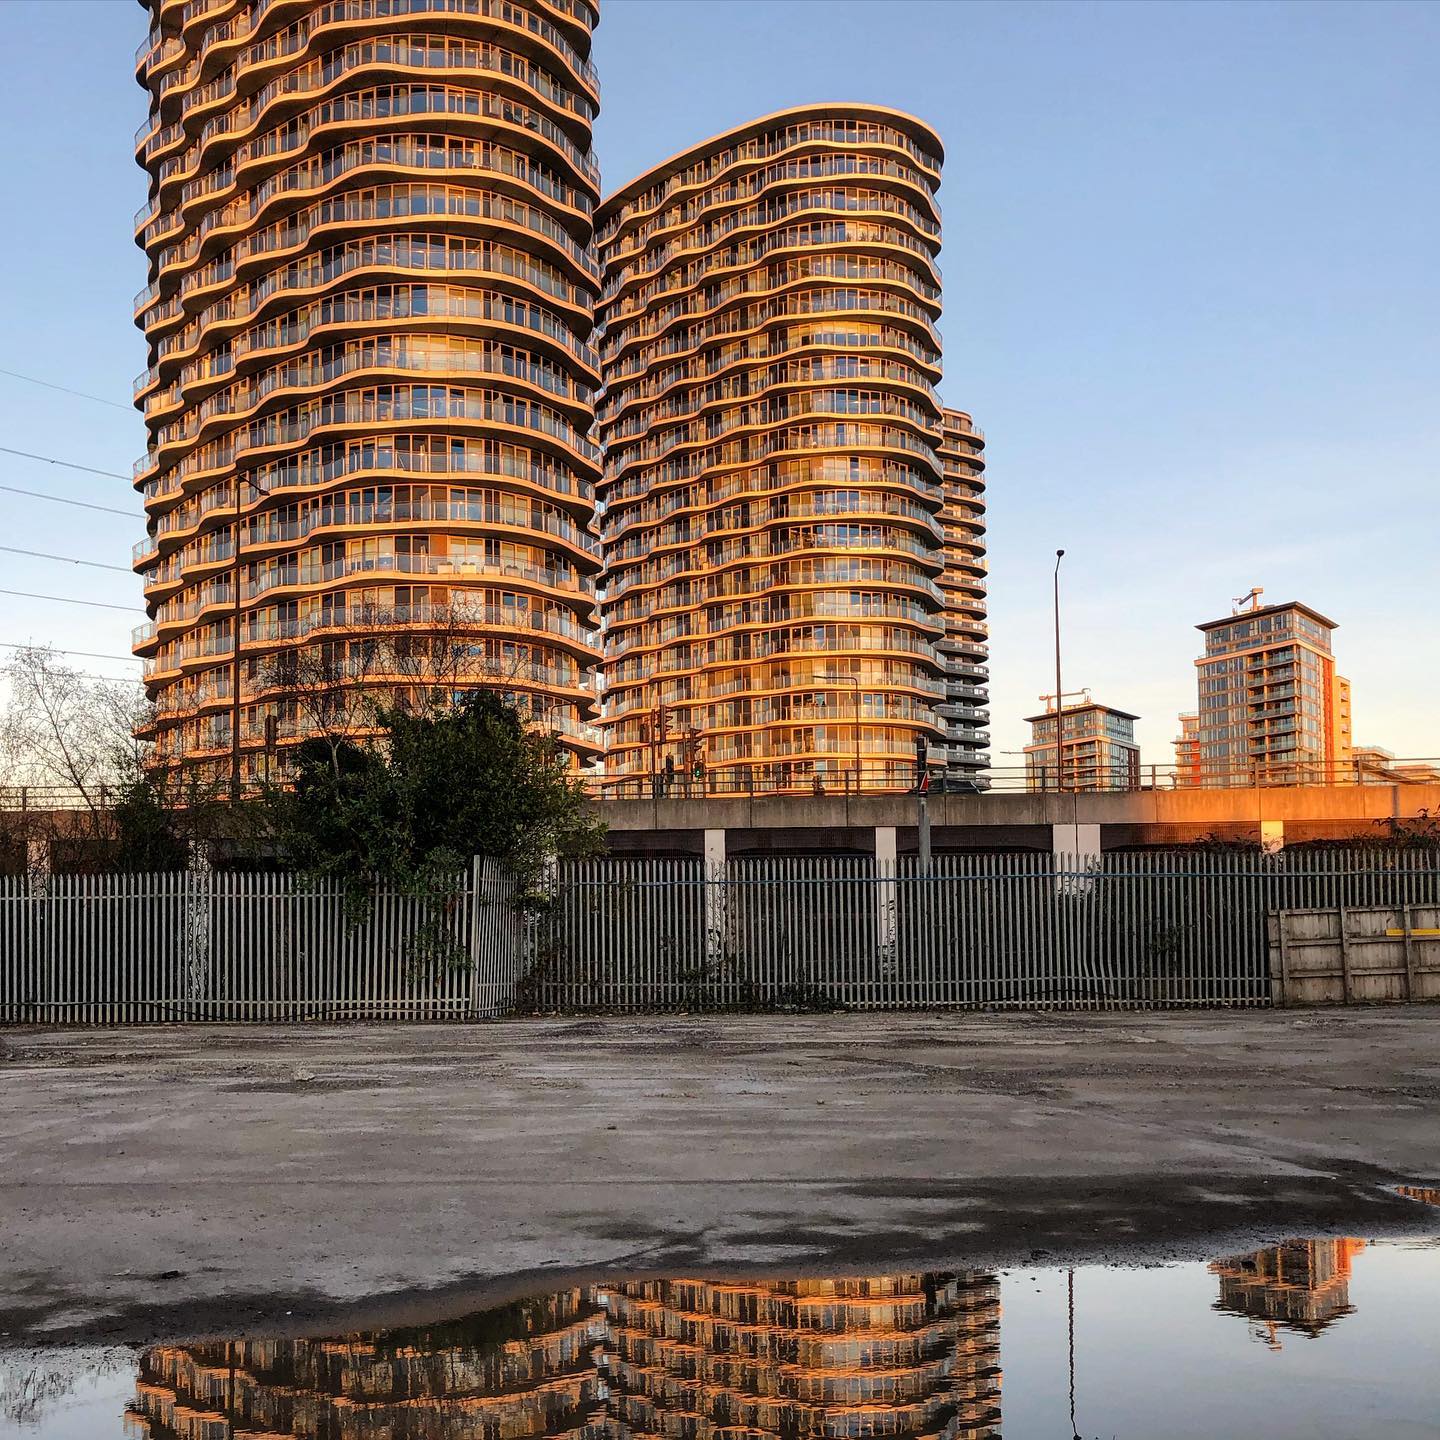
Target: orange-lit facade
pixel 965 645
pixel 1188 770
pixel 1272 707
pixel 1301 1286
pixel 774 499
pixel 526 1372
pixel 372 286
pixel 834 1359
pixel 895 1356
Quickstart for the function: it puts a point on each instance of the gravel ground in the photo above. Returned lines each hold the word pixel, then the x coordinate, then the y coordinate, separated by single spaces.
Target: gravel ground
pixel 189 1179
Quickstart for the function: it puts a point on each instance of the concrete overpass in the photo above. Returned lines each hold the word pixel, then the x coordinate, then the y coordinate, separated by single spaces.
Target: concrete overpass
pixel 889 825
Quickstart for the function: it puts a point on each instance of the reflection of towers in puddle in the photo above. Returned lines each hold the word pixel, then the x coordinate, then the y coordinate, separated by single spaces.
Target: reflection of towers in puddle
pixel 526 1370
pixel 1429 1194
pixel 1302 1285
pixel 904 1355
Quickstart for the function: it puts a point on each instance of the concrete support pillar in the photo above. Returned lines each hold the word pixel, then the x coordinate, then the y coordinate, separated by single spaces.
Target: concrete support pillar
pixel 1272 836
pixel 1078 842
pixel 37 863
pixel 886 898
pixel 717 903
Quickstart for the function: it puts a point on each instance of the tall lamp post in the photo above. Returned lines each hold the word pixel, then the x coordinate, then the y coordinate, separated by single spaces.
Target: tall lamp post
pixel 1059 692
pixel 236 615
pixel 854 682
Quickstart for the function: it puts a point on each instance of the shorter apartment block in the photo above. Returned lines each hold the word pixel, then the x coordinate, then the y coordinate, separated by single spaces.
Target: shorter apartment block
pixel 1272 709
pixel 1096 749
pixel 1187 751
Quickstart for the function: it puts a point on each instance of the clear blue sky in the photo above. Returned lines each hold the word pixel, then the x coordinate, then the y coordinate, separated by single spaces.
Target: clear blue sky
pixel 1192 296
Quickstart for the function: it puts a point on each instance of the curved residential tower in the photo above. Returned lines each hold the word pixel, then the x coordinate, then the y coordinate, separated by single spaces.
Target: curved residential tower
pixel 773 492
pixel 964 646
pixel 372 285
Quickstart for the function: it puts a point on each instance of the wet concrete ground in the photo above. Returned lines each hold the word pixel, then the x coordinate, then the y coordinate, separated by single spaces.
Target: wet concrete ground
pixel 202 1179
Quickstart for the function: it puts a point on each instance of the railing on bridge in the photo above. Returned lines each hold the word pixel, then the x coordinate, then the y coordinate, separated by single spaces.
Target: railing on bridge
pixel 900 778
pixel 880 779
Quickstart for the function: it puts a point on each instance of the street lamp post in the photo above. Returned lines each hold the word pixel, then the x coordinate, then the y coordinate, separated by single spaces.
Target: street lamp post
pixel 1059 692
pixel 236 614
pixel 854 683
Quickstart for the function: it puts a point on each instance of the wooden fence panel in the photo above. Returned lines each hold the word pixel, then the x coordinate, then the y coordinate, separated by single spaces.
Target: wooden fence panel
pixel 1355 955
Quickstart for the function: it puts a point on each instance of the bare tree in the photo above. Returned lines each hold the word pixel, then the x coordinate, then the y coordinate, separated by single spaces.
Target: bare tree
pixel 63 731
pixel 68 744
pixel 333 690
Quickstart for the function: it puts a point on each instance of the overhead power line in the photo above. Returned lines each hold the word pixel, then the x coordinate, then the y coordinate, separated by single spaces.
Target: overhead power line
pixel 68 464
pixel 64 389
pixel 57 650
pixel 87 654
pixel 68 600
pixel 63 500
pixel 109 679
pixel 65 559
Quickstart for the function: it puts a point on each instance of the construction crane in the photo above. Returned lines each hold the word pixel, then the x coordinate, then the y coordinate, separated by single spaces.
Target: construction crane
pixel 1241 601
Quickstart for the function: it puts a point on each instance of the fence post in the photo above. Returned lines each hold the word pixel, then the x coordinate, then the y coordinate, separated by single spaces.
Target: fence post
pixel 885 895
pixel 717 902
pixel 199 890
pixel 1279 919
pixel 473 1003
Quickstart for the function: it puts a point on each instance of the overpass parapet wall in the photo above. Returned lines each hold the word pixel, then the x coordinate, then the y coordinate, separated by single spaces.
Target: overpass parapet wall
pixel 1019 820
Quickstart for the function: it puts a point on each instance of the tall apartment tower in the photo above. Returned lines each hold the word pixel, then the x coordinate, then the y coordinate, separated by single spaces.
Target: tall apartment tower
pixel 525 1371
pixel 372 283
pixel 964 645
pixel 1271 704
pixel 774 497
pixel 900 1356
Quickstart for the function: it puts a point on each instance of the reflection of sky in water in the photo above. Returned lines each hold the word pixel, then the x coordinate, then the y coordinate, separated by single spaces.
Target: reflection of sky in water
pixel 1154 1356
pixel 67 1395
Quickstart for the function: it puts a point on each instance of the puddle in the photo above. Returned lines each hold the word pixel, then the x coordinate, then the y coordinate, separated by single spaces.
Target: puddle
pixel 1334 1338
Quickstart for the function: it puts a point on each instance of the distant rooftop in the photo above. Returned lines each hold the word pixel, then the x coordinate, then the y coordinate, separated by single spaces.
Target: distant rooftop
pixel 1080 709
pixel 1270 610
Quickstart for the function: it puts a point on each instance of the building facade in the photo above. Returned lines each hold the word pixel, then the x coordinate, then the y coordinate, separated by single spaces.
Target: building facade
pixel 965 645
pixel 773 497
pixel 899 1356
pixel 1272 708
pixel 1097 749
pixel 370 392
pixel 1302 1286
pixel 907 1357
pixel 1372 765
pixel 524 1372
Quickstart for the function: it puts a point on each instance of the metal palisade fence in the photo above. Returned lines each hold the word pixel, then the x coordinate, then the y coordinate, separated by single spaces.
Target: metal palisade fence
pixel 1174 928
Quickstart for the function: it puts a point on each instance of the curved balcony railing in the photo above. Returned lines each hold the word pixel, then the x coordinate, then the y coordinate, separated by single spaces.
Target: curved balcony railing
pixel 758 149
pixel 291 375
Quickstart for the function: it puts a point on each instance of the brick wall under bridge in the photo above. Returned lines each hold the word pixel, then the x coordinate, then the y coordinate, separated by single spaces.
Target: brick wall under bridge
pixel 1071 824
